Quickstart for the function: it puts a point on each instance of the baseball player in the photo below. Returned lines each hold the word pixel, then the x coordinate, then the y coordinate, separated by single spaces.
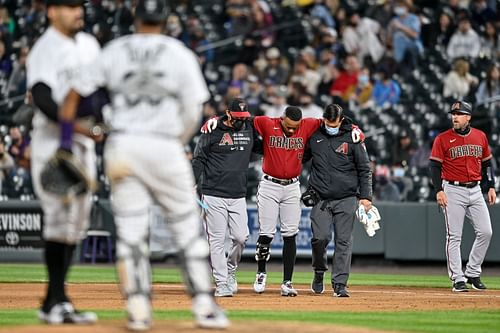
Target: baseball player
pixel 340 174
pixel 221 161
pixel 57 55
pixel 278 195
pixel 157 91
pixel 460 159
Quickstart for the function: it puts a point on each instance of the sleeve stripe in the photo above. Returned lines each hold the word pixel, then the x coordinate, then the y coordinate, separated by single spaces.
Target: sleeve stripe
pixel 487 158
pixel 436 159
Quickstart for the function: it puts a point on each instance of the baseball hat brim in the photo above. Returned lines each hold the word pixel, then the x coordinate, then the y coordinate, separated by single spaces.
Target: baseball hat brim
pixel 240 114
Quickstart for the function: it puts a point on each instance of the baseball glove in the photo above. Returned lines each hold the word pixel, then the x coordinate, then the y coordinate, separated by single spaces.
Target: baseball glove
pixel 65 176
pixel 310 197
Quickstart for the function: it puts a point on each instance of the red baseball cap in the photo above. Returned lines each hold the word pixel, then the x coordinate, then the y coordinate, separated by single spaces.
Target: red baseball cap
pixel 238 108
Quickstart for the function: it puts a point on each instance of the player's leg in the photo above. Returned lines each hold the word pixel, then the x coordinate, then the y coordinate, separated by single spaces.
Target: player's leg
pixel 290 214
pixel 343 224
pixel 268 197
pixel 480 220
pixel 131 203
pixel 321 227
pixel 216 222
pixel 64 227
pixel 238 231
pixel 171 182
pixel 458 199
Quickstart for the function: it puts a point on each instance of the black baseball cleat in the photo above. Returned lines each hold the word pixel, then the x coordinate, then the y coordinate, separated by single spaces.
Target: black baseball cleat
pixel 317 285
pixel 460 287
pixel 476 283
pixel 340 291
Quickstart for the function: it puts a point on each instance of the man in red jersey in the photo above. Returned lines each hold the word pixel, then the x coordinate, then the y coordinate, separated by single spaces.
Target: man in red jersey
pixel 460 158
pixel 278 196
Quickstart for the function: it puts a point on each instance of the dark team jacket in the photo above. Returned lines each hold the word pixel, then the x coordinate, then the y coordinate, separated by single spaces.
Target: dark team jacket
pixel 220 161
pixel 340 168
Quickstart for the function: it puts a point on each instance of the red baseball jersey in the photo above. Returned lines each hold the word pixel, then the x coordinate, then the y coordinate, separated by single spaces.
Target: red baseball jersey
pixel 461 155
pixel 282 154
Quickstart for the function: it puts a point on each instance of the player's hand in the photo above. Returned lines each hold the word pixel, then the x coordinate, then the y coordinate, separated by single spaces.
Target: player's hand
pixel 441 199
pixel 367 204
pixel 209 125
pixel 492 196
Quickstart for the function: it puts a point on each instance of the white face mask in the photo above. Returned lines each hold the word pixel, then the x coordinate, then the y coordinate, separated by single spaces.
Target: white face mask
pixel 332 130
pixel 399 10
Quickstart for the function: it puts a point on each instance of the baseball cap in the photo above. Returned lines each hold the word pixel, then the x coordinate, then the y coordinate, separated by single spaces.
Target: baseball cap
pixel 238 108
pixel 462 107
pixel 153 11
pixel 70 3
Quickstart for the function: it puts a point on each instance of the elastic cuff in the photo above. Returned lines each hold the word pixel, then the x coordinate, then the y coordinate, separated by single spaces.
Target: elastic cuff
pixel 66 135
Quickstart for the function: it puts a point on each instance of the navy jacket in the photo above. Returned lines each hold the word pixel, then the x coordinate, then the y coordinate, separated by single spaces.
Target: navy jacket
pixel 340 168
pixel 220 161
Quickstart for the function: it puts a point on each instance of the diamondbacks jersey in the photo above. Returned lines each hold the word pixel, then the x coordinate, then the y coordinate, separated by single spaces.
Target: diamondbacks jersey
pixel 461 155
pixel 55 60
pixel 282 154
pixel 153 82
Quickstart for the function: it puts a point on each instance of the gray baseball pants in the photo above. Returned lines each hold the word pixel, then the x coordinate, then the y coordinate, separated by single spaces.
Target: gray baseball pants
pixel 468 202
pixel 337 215
pixel 223 214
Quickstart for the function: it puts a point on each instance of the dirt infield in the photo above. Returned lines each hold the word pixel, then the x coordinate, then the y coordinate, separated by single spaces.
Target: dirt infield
pixel 172 297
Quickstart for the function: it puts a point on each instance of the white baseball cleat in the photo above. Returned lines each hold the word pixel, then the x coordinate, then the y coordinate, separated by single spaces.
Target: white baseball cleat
pixel 65 313
pixel 232 283
pixel 207 314
pixel 287 289
pixel 139 313
pixel 223 290
pixel 260 283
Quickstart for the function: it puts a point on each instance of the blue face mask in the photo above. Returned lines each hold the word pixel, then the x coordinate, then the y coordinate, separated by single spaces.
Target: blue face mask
pixel 400 11
pixel 332 130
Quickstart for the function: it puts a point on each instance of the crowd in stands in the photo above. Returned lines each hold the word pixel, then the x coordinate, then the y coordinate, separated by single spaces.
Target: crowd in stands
pixel 394 65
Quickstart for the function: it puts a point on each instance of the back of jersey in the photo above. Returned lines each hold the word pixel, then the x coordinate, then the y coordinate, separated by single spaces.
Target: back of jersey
pixel 155 83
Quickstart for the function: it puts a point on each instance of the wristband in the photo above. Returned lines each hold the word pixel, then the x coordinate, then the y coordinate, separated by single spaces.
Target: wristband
pixel 66 135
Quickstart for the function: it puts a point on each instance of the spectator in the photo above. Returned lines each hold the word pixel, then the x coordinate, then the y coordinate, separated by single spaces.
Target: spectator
pixel 420 158
pixel 481 13
pixel 123 20
pixel 274 100
pixel 309 78
pixel 360 94
pixel 402 150
pixel 489 87
pixel 6 165
pixel 5 62
pixel 386 190
pixel 386 91
pixel 254 95
pixel 442 30
pixel 274 70
pixel 174 26
pixel 17 82
pixel 465 42
pixel 458 81
pixel 309 109
pixel 321 12
pixel 327 70
pixel 360 38
pixel 490 42
pixel 404 34
pixel 347 78
pixel 19 148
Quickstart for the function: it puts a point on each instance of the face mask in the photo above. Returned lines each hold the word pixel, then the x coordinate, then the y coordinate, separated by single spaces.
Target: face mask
pixel 238 124
pixel 398 172
pixel 399 11
pixel 332 130
pixel 1 155
pixel 363 79
pixel 15 141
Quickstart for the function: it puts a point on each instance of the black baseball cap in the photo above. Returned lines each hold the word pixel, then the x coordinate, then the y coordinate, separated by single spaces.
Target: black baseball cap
pixel 153 11
pixel 70 3
pixel 461 107
pixel 238 108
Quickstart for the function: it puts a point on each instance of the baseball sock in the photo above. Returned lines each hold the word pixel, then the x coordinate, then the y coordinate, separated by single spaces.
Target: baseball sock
pixel 68 258
pixel 54 259
pixel 289 254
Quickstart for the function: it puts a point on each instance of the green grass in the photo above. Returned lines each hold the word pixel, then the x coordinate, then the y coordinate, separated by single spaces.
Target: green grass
pixel 477 321
pixel 422 321
pixel 106 274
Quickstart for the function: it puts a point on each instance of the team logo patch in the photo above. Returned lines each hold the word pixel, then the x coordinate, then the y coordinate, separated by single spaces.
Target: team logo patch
pixel 226 140
pixel 242 106
pixel 343 148
pixel 455 106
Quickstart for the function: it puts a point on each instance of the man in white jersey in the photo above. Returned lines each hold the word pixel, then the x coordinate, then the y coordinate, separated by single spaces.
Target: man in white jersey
pixel 157 92
pixel 53 60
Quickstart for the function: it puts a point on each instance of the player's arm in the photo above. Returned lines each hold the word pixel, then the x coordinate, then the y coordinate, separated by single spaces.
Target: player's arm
pixel 435 168
pixel 488 173
pixel 364 171
pixel 258 146
pixel 42 98
pixel 307 152
pixel 200 156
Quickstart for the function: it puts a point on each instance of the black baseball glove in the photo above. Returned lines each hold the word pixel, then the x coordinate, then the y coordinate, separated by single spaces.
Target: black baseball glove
pixel 310 198
pixel 65 176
